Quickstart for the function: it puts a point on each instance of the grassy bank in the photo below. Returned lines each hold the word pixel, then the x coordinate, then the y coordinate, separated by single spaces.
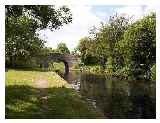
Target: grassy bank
pixel 58 100
pixel 123 73
pixel 97 69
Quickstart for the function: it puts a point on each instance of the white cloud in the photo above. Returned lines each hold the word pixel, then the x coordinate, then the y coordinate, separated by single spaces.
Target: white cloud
pixel 150 8
pixel 136 12
pixel 83 20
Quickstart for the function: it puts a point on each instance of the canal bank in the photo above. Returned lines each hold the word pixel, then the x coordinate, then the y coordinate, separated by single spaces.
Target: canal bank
pixel 28 98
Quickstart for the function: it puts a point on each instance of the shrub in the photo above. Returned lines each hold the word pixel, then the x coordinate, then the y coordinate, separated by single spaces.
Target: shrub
pixel 153 72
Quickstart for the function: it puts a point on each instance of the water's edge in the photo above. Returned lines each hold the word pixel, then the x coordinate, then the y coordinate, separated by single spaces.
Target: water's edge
pixel 116 98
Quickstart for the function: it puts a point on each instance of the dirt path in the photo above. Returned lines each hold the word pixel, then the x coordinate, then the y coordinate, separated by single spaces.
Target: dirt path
pixel 41 84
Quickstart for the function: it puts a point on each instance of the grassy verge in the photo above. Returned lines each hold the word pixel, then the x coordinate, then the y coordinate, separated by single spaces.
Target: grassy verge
pixel 23 99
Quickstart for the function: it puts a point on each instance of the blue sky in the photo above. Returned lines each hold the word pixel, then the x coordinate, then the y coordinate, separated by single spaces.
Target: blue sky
pixel 104 11
pixel 84 18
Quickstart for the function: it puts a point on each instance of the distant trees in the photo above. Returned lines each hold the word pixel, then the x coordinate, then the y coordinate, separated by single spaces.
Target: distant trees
pixel 123 47
pixel 85 48
pixel 22 23
pixel 62 48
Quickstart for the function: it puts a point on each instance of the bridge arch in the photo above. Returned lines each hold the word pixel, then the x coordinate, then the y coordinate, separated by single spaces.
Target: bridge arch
pixel 67 59
pixel 66 68
pixel 66 64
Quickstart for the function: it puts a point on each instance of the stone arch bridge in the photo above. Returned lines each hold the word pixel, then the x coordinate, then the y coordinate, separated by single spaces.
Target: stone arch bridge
pixel 67 59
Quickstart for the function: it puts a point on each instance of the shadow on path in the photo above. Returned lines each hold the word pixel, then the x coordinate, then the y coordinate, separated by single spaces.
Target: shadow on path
pixel 22 102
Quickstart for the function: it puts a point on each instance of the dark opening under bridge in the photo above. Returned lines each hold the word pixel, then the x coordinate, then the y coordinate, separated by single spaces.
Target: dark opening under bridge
pixel 67 59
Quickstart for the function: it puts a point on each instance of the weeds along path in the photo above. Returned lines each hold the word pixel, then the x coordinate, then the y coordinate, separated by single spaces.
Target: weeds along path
pixel 42 84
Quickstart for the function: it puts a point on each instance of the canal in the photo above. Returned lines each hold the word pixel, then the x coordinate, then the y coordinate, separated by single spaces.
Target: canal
pixel 116 99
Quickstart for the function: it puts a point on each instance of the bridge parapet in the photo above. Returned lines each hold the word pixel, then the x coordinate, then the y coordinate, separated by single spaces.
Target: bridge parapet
pixel 67 59
pixel 64 57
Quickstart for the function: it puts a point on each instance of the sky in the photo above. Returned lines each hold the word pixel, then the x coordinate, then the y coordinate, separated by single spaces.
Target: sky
pixel 87 16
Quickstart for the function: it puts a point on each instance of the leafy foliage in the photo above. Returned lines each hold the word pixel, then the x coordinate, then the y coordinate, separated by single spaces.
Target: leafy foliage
pixel 62 48
pixel 45 16
pixel 139 43
pixel 22 43
pixel 22 23
pixel 122 46
pixel 153 72
pixel 85 48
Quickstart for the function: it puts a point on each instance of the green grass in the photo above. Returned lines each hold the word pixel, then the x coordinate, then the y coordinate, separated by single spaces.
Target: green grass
pixel 57 66
pixel 23 99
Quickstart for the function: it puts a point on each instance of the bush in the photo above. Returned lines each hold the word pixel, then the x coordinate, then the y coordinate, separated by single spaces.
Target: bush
pixel 124 72
pixel 153 72
pixel 76 66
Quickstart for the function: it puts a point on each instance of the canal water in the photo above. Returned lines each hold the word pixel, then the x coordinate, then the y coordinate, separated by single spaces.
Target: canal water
pixel 116 99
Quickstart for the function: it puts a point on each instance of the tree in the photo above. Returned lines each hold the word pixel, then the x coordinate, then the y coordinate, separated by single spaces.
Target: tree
pixel 22 43
pixel 62 48
pixel 45 16
pixel 22 23
pixel 85 49
pixel 117 25
pixel 124 47
pixel 139 46
pixel 106 39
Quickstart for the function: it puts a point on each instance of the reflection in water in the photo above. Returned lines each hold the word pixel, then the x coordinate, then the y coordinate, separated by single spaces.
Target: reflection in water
pixel 116 98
